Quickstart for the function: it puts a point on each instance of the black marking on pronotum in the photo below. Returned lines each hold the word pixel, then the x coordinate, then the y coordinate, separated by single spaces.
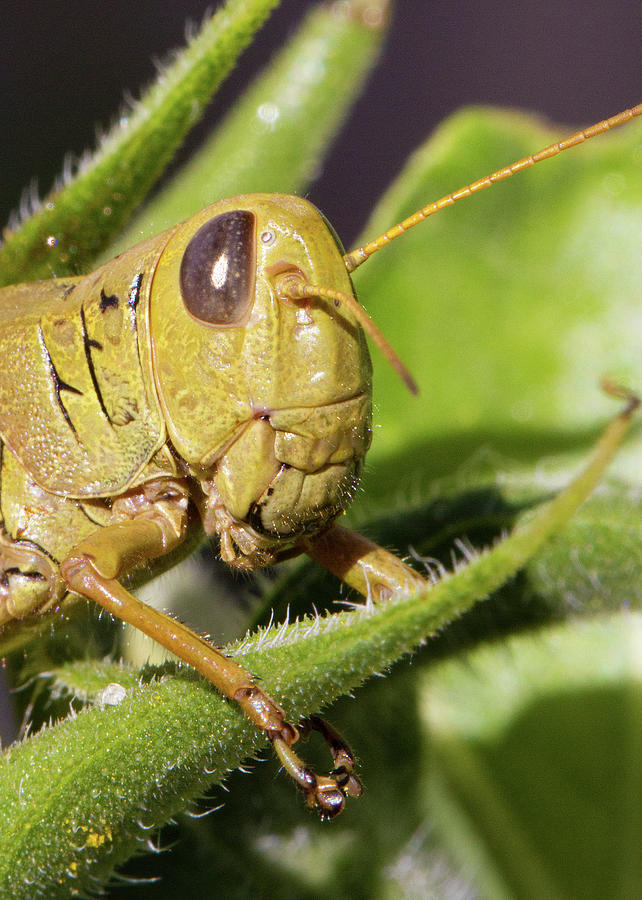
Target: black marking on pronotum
pixel 88 344
pixel 58 384
pixel 96 344
pixel 108 301
pixel 68 387
pixel 134 296
pixel 134 291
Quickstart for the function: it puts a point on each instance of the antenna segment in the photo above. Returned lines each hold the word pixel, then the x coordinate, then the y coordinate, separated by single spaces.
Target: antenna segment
pixel 354 259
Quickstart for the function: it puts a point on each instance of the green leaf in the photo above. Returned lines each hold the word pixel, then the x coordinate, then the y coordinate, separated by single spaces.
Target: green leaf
pixel 597 565
pixel 92 208
pixel 534 754
pixel 510 307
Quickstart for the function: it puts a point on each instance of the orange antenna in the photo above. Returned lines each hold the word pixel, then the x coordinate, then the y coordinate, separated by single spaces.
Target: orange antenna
pixel 354 259
pixel 294 286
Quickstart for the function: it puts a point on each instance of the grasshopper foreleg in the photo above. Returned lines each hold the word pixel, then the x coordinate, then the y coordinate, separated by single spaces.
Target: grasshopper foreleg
pixel 92 570
pixel 363 565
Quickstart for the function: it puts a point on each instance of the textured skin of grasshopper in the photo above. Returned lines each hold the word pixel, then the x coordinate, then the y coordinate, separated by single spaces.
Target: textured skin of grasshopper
pixel 173 382
pixel 215 377
pixel 183 387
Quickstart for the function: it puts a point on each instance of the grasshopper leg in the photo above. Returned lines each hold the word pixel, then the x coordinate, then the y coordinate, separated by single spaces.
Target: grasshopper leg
pixel 92 570
pixel 363 565
pixel 321 791
pixel 376 574
pixel 342 755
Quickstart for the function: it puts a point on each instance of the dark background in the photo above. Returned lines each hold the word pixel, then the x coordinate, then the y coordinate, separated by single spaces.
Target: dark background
pixel 65 66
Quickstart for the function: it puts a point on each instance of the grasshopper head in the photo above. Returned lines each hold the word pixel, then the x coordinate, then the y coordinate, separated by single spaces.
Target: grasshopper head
pixel 266 396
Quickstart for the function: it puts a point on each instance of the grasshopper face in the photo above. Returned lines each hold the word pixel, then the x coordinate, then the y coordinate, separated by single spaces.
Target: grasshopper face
pixel 267 399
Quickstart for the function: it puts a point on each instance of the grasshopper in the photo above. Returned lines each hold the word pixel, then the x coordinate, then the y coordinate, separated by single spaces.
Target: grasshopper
pixel 116 449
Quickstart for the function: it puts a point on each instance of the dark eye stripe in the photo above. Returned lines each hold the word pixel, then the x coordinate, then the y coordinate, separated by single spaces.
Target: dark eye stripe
pixel 218 269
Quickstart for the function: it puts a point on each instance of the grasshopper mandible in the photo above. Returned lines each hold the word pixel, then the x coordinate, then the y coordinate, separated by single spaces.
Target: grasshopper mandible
pixel 116 446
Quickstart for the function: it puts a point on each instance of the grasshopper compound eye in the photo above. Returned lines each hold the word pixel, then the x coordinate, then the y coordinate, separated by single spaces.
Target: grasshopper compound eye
pixel 218 269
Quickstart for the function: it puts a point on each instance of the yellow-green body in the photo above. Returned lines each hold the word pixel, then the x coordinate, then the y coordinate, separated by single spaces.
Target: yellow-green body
pixel 110 387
